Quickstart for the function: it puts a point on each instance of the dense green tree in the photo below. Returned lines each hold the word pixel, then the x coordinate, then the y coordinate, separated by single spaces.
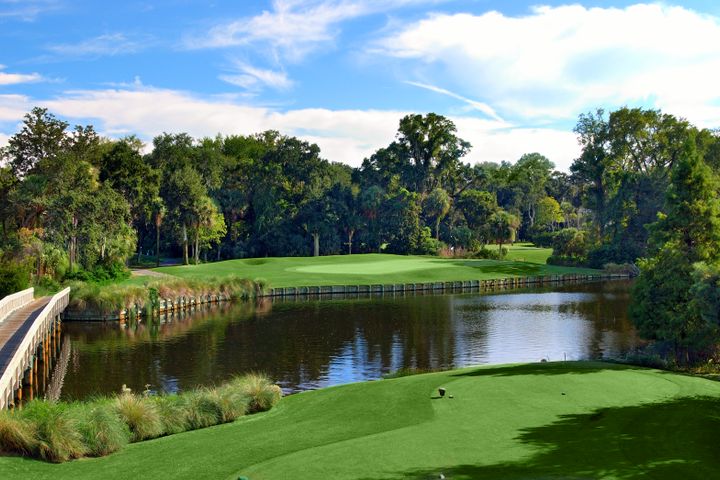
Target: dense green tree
pixel 528 178
pixel 478 207
pixel 41 137
pixel 687 234
pixel 548 213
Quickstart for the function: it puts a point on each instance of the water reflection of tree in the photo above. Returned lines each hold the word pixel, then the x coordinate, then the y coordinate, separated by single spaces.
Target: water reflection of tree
pixel 307 343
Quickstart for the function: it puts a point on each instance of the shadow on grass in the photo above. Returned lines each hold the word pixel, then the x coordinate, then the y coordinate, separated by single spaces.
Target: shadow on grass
pixel 546 368
pixel 671 440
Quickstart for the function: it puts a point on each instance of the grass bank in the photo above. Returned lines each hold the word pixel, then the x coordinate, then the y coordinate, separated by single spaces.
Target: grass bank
pixel 142 293
pixel 551 420
pixel 366 269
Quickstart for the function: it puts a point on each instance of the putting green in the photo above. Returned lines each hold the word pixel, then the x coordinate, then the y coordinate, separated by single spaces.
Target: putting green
pixel 372 268
pixel 574 420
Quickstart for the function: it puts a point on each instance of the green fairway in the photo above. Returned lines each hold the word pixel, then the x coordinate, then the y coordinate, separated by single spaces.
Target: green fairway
pixel 553 420
pixel 366 269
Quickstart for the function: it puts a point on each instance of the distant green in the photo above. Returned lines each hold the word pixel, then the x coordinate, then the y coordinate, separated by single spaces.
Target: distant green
pixel 545 420
pixel 366 269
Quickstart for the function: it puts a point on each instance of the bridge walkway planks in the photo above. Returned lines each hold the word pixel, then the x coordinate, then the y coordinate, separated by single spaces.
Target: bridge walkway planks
pixel 14 327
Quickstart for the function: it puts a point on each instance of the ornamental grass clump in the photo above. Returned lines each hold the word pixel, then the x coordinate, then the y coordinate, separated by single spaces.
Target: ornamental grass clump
pixel 204 408
pixel 61 431
pixel 173 412
pixel 17 435
pixel 102 429
pixel 141 416
pixel 57 436
pixel 262 393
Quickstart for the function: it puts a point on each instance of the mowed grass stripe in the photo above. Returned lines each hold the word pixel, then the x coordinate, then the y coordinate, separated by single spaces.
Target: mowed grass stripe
pixel 552 420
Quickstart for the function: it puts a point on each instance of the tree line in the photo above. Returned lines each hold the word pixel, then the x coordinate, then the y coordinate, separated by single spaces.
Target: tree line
pixel 72 200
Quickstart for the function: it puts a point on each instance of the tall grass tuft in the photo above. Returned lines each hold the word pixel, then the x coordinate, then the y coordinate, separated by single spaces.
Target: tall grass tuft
pixel 204 408
pixel 141 416
pixel 173 412
pixel 56 432
pixel 102 429
pixel 17 435
pixel 262 393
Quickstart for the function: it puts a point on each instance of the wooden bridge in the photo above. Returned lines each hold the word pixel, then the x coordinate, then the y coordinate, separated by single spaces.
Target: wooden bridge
pixel 29 342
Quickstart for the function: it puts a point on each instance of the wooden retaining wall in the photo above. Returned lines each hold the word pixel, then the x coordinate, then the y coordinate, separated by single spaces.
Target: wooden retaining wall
pixel 166 306
pixel 458 286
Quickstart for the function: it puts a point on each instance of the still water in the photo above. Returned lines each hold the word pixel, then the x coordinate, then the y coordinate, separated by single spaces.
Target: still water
pixel 312 344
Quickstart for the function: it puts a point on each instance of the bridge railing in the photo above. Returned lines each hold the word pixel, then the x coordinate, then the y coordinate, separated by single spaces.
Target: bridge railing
pixel 15 301
pixel 11 378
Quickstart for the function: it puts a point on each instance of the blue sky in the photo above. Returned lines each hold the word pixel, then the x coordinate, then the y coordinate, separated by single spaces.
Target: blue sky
pixel 513 75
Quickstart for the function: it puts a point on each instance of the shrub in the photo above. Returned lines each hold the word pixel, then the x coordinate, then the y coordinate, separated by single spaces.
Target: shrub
pixel 17 435
pixel 13 278
pixel 141 416
pixel 47 283
pixel 56 432
pixel 487 253
pixel 542 239
pixel 570 243
pixel 102 429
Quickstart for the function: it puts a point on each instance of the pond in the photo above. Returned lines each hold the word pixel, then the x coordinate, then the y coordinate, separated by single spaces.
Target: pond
pixel 311 344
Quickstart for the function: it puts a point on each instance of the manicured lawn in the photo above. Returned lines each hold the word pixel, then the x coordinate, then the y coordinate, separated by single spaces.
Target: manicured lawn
pixel 553 420
pixel 368 269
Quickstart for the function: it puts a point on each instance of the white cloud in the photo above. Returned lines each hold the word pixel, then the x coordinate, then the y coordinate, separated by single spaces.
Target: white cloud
pixel 103 45
pixel 343 135
pixel 293 28
pixel 15 78
pixel 253 78
pixel 556 62
pixel 3 140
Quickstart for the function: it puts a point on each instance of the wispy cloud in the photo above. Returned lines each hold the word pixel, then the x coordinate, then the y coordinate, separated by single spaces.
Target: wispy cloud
pixel 479 106
pixel 293 28
pixel 252 78
pixel 7 78
pixel 555 62
pixel 110 44
pixel 26 10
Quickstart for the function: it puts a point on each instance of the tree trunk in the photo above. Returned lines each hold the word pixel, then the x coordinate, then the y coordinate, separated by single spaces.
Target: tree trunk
pixel 219 247
pixel 139 247
pixel 351 234
pixel 316 244
pixel 437 229
pixel 197 244
pixel 186 260
pixel 157 243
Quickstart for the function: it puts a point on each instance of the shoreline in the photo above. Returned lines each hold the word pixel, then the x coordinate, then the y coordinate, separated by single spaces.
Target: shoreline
pixel 167 306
